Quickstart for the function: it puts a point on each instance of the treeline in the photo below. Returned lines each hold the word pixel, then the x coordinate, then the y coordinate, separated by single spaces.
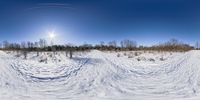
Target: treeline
pixel 172 45
pixel 125 45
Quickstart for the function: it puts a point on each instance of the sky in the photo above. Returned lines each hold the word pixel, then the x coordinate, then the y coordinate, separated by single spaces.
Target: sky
pixel 92 21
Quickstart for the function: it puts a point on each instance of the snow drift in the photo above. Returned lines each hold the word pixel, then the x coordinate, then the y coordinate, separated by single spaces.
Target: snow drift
pixel 98 75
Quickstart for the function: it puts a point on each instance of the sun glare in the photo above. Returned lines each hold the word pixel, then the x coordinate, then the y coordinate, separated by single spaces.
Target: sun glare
pixel 52 35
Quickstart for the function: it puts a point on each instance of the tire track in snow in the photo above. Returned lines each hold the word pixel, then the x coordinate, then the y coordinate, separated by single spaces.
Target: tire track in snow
pixel 66 75
pixel 160 78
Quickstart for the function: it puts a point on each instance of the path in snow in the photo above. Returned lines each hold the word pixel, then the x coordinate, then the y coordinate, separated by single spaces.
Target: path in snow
pixel 99 75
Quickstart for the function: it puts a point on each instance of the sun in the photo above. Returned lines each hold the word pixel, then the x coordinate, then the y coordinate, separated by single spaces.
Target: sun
pixel 52 35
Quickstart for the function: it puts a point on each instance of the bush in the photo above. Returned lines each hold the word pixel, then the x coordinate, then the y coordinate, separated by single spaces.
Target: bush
pixel 136 53
pixel 151 59
pixel 118 55
pixel 130 55
pixel 162 59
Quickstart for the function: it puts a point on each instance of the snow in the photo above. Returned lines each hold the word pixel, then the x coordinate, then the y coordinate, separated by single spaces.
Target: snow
pixel 98 75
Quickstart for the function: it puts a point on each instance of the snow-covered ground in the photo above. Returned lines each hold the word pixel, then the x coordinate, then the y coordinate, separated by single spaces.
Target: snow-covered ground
pixel 100 75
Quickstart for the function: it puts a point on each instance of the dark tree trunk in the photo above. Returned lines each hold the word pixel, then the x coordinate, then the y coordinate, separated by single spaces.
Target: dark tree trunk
pixel 70 52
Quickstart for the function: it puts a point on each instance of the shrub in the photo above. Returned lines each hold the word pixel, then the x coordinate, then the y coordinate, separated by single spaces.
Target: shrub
pixel 118 55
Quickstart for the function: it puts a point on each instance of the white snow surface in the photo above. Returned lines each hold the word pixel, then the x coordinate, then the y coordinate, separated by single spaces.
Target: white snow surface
pixel 98 75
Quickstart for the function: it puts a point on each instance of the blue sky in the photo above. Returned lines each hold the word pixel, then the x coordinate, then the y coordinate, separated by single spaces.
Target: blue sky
pixel 91 21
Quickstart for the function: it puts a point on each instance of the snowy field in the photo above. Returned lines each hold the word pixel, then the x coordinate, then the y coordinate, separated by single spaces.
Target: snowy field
pixel 97 75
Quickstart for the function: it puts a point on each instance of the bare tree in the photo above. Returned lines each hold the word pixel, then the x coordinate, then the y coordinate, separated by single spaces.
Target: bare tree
pixel 122 44
pixel 128 44
pixel 102 43
pixel 5 44
pixel 42 43
pixel 197 45
pixel 29 44
pixel 66 53
pixel 1 45
pixel 70 53
pixel 112 44
pixel 36 45
pixel 54 50
pixel 23 45
pixel 173 42
pixel 25 54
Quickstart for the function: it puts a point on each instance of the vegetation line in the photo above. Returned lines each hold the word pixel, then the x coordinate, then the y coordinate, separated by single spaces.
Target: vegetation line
pixel 125 45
